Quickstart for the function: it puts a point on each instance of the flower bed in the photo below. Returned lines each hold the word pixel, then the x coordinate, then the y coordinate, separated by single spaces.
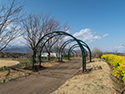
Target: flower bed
pixel 119 65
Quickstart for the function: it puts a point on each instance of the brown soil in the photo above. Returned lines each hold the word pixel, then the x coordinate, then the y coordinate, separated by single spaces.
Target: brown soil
pixel 14 72
pixel 8 63
pixel 80 72
pixel 97 79
pixel 42 82
pixel 36 68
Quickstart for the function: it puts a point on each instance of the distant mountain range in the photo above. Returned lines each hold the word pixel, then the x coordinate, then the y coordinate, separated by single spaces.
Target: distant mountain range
pixel 16 49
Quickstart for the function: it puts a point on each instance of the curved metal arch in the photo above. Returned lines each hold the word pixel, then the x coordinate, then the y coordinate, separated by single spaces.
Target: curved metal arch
pixel 75 52
pixel 43 46
pixel 82 55
pixel 87 48
pixel 75 46
pixel 62 48
pixel 72 53
pixel 62 33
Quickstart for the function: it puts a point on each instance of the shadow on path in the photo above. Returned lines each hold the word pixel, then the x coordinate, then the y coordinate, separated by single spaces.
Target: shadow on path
pixel 45 82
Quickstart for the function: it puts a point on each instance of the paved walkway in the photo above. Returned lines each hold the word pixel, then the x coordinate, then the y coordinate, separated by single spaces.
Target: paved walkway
pixel 45 82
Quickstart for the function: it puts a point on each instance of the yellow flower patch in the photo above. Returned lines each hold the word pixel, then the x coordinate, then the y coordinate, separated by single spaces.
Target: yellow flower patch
pixel 119 65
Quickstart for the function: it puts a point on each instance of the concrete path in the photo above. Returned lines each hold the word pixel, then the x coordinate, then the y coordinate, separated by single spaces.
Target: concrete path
pixel 45 82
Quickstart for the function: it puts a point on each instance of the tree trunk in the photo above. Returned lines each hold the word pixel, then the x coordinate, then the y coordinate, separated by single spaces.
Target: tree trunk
pixel 49 56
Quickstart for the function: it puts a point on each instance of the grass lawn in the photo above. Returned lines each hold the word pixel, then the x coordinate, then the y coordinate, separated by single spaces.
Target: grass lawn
pixel 16 59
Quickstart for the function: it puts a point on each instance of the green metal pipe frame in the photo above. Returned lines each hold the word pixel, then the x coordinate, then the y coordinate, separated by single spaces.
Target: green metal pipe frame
pixel 64 44
pixel 43 47
pixel 75 52
pixel 60 33
pixel 87 48
pixel 75 46
pixel 62 48
pixel 72 53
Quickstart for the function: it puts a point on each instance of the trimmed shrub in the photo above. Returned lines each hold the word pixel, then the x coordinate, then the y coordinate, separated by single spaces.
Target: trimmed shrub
pixel 99 54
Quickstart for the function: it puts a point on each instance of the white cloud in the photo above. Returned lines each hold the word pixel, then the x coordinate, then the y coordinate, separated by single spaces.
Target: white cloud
pixel 9 26
pixel 67 31
pixel 105 35
pixel 86 35
pixel 66 37
pixel 97 37
pixel 19 41
pixel 118 47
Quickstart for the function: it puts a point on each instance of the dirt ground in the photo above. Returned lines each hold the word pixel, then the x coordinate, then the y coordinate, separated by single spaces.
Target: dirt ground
pixel 8 63
pixel 44 81
pixel 98 81
pixel 21 71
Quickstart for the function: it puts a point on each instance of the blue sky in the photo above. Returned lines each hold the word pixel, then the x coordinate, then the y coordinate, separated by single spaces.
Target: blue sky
pixel 100 23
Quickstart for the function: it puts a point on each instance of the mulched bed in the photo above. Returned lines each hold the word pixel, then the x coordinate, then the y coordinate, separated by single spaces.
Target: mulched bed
pixel 87 71
pixel 15 66
pixel 36 68
pixel 90 62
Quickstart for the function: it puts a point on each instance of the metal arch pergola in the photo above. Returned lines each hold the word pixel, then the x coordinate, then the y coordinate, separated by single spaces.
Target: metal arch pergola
pixel 75 52
pixel 61 49
pixel 65 43
pixel 69 41
pixel 75 46
pixel 72 53
pixel 57 33
pixel 85 55
pixel 43 46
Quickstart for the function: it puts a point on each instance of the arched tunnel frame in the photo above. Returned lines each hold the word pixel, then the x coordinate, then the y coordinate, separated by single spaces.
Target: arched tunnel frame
pixel 69 41
pixel 75 46
pixel 85 55
pixel 58 33
pixel 75 52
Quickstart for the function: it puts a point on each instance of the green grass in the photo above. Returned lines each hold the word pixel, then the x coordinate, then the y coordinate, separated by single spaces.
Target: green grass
pixel 102 87
pixel 4 80
pixel 65 57
pixel 16 59
pixel 97 85
pixel 25 61
pixel 75 78
pixel 67 85
pixel 78 87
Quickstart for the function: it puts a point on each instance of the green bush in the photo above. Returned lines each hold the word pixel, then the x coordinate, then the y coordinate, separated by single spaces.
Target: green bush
pixel 99 54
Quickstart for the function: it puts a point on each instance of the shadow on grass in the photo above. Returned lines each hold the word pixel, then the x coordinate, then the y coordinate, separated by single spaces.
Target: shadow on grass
pixel 87 71
pixel 36 68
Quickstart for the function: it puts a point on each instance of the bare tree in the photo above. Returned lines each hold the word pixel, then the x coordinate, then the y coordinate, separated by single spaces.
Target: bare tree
pixel 79 52
pixel 52 25
pixel 58 45
pixel 95 51
pixel 33 29
pixel 10 17
pixel 36 26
